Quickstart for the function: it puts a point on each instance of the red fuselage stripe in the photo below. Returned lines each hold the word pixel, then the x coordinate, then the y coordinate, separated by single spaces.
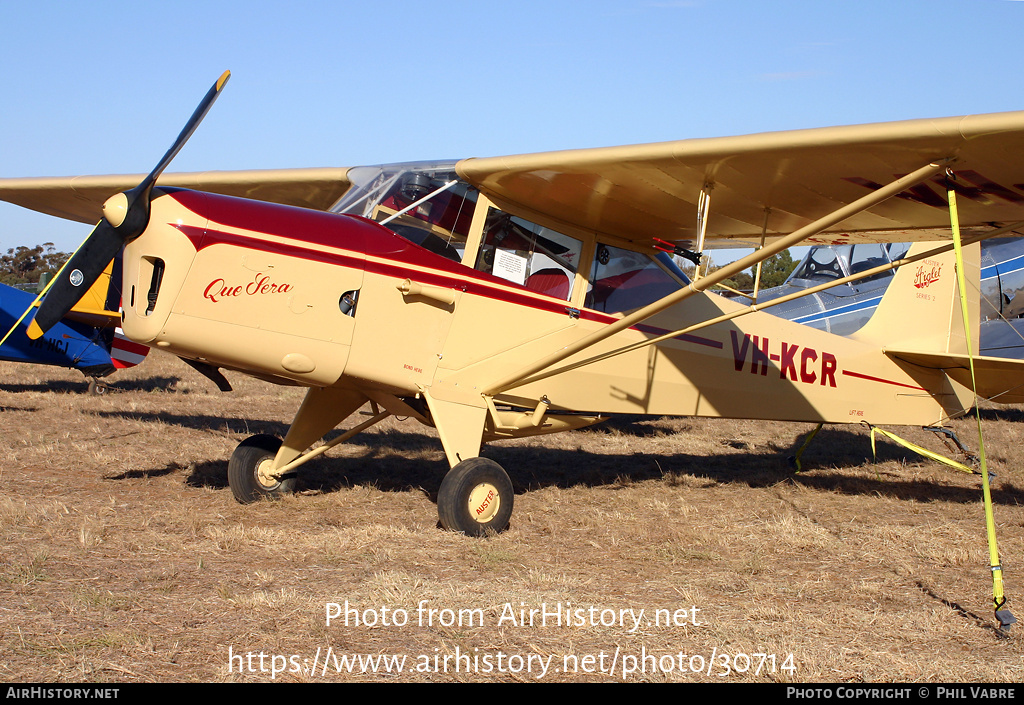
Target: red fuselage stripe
pixel 411 262
pixel 883 381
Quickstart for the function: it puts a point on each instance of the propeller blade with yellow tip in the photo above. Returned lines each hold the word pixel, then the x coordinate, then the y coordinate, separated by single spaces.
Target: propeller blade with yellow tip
pixel 125 217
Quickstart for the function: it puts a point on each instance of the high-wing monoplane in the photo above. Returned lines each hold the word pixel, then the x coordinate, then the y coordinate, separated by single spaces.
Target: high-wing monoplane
pixel 514 296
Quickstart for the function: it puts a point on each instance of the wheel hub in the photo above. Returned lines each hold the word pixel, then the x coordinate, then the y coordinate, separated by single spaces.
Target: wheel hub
pixel 264 474
pixel 484 501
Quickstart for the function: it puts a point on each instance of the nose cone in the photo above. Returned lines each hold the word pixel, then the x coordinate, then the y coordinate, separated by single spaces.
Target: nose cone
pixel 115 209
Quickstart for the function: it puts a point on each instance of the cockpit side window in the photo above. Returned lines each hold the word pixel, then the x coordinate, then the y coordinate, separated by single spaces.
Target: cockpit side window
pixel 541 259
pixel 623 280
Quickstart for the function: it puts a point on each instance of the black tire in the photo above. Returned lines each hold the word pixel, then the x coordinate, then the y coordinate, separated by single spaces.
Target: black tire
pixel 96 387
pixel 244 466
pixel 475 498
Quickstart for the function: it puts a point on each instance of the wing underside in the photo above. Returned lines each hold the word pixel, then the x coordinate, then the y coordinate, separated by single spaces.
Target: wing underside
pixel 645 191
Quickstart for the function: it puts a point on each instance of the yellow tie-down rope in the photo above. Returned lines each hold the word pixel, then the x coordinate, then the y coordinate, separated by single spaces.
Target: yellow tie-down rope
pixel 1003 615
pixel 920 450
pixel 998 598
pixel 807 441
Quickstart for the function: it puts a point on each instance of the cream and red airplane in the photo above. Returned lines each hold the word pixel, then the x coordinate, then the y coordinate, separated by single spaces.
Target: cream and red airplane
pixel 515 296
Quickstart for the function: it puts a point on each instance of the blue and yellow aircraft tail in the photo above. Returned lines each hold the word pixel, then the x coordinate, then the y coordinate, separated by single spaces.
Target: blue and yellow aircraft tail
pixel 88 338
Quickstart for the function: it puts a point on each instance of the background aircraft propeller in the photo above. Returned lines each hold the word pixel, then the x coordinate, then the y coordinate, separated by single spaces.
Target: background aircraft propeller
pixel 125 217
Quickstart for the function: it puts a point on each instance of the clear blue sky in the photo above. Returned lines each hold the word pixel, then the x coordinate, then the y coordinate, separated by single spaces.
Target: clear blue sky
pixel 104 87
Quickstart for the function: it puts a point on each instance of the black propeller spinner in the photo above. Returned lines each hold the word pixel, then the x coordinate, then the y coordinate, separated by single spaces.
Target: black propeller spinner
pixel 125 217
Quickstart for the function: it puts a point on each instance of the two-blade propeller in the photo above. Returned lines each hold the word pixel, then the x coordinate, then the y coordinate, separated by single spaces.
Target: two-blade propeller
pixel 125 217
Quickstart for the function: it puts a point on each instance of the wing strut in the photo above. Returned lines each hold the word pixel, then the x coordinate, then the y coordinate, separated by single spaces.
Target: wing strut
pixel 774 302
pixel 870 200
pixel 703 207
pixel 764 234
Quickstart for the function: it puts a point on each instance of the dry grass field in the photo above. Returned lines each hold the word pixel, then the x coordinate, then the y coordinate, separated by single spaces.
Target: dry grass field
pixel 126 559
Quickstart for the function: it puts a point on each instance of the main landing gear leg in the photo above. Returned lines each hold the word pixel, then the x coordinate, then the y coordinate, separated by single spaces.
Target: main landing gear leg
pixel 476 495
pixel 253 469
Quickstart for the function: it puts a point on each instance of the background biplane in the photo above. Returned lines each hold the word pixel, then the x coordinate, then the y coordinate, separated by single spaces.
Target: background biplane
pixel 847 308
pixel 506 297
pixel 88 338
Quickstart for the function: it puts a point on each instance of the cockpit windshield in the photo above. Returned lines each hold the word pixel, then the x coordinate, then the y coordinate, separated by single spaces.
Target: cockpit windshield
pixel 827 263
pixel 425 203
pixel 824 263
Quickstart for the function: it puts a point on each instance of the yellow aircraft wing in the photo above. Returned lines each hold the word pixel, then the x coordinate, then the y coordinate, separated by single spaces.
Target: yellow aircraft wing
pixel 81 197
pixel 644 191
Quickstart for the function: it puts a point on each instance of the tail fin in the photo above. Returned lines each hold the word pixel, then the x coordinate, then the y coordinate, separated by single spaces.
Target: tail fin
pixel 94 308
pixel 919 322
pixel 921 308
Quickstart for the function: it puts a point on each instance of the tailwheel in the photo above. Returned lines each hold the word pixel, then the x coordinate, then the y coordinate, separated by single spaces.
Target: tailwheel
pixel 96 387
pixel 249 471
pixel 475 498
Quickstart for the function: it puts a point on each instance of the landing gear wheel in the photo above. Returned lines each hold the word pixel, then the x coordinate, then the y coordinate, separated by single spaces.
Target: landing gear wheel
pixel 475 498
pixel 96 387
pixel 248 471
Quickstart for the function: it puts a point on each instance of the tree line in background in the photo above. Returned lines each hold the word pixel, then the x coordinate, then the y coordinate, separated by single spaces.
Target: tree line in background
pixel 774 272
pixel 25 265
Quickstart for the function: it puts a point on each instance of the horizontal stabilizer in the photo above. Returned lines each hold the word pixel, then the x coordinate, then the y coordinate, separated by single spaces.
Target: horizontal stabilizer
pixel 999 379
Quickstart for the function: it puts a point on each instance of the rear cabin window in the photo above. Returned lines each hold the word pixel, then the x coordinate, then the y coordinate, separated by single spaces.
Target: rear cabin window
pixel 525 253
pixel 623 280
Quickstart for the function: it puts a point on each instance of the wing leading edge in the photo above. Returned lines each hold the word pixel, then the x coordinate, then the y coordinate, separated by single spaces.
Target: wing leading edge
pixel 81 198
pixel 643 191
